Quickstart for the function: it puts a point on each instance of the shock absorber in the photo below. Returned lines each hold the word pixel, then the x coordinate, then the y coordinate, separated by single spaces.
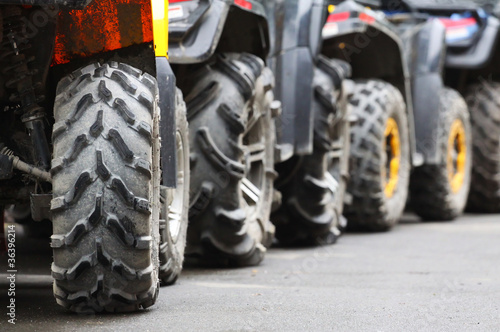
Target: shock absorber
pixel 14 49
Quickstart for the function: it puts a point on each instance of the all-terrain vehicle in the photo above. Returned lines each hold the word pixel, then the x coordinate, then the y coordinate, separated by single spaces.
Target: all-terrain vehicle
pixel 313 129
pixel 220 50
pixel 94 138
pixel 472 67
pixel 413 132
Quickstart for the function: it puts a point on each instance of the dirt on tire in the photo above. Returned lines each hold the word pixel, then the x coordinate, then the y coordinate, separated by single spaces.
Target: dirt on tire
pixel 484 106
pixel 374 103
pixel 232 142
pixel 106 190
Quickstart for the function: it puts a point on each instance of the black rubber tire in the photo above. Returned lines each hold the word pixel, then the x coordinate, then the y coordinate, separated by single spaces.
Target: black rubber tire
pixel 431 195
pixel 106 190
pixel 222 101
pixel 484 106
pixel 172 246
pixel 311 205
pixel 374 102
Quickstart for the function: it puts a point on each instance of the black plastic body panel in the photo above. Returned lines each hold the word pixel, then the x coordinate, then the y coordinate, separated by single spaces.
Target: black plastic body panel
pixel 290 39
pixel 295 43
pixel 428 53
pixel 167 88
pixel 196 38
pixel 293 70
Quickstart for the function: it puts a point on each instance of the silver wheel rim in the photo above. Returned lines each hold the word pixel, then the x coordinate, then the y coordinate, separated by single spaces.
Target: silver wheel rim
pixel 177 205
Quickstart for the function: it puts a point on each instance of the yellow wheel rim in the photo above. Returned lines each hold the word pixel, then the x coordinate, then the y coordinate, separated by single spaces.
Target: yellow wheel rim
pixel 457 155
pixel 392 146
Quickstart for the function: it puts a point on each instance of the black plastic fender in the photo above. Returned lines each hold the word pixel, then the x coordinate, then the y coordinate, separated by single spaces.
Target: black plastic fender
pixel 195 38
pixel 167 89
pixel 295 43
pixel 479 55
pixel 427 85
pixel 293 72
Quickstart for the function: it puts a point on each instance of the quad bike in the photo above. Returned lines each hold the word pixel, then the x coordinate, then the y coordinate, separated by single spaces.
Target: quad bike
pixel 471 67
pixel 413 132
pixel 94 138
pixel 313 129
pixel 221 48
pixel 218 50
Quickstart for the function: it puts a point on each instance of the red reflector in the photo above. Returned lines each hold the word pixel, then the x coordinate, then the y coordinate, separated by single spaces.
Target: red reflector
pixel 339 17
pixel 449 23
pixel 366 18
pixel 243 4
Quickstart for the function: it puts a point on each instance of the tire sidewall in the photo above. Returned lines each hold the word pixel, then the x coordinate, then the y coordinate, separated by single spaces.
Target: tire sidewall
pixel 457 110
pixel 396 203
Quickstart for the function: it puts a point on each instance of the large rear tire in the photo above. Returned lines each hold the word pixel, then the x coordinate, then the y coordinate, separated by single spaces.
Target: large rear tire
pixel 106 182
pixel 232 165
pixel 439 192
pixel 380 157
pixel 484 105
pixel 313 186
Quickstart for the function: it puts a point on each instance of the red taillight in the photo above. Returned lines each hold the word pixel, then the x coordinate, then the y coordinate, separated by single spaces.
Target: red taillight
pixel 366 18
pixel 174 1
pixel 449 23
pixel 243 4
pixel 339 17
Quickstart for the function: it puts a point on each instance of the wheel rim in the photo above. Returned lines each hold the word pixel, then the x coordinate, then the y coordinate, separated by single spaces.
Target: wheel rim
pixel 392 148
pixel 457 155
pixel 254 181
pixel 177 205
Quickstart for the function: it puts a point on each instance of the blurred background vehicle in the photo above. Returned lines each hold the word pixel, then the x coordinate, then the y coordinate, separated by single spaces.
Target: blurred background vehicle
pixel 313 129
pixel 225 55
pixel 218 51
pixel 471 67
pixel 413 133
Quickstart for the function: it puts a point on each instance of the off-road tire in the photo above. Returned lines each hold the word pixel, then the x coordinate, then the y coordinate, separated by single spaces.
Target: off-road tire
pixel 311 202
pixel 431 195
pixel 171 247
pixel 106 181
pixel 484 106
pixel 222 102
pixel 374 102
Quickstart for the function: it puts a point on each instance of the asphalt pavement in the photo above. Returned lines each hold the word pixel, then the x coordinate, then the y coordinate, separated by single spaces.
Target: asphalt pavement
pixel 418 277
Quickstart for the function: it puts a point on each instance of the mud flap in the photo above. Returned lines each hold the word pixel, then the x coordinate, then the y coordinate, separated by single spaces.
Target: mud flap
pixel 166 85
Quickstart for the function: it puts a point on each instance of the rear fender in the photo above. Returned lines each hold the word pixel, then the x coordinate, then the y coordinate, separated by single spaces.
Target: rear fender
pixel 222 25
pixel 103 26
